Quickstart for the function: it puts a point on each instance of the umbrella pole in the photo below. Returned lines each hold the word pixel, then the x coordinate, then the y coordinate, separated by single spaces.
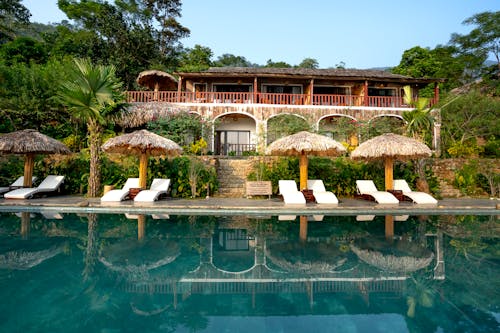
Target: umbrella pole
pixel 29 163
pixel 143 169
pixel 303 171
pixel 303 228
pixel 141 227
pixel 389 165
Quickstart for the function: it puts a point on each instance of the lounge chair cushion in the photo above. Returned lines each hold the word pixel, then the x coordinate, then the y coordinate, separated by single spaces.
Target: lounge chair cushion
pixel 415 196
pixel 121 194
pixel 158 187
pixel 367 187
pixel 50 184
pixel 291 195
pixel 19 182
pixel 321 195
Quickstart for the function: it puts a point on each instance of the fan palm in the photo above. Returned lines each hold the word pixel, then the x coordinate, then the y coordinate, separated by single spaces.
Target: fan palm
pixel 419 121
pixel 92 93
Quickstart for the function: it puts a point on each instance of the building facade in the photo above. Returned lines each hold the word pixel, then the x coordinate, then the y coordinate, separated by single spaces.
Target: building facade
pixel 240 103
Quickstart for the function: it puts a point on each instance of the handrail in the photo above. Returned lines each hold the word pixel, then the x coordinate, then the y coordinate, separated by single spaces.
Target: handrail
pixel 266 98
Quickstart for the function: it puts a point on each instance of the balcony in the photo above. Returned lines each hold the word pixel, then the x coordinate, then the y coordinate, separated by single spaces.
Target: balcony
pixel 266 98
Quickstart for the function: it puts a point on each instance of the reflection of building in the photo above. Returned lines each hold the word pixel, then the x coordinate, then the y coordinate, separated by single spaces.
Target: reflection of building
pixel 241 103
pixel 216 276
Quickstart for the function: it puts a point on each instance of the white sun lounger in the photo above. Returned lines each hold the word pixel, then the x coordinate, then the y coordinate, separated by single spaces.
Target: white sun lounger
pixel 415 196
pixel 121 194
pixel 321 195
pixel 158 187
pixel 367 187
pixel 49 184
pixel 15 185
pixel 291 195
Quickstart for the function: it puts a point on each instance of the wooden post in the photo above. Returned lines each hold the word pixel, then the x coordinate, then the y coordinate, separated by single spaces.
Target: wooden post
pixel 143 170
pixel 389 164
pixel 365 90
pixel 29 163
pixel 303 171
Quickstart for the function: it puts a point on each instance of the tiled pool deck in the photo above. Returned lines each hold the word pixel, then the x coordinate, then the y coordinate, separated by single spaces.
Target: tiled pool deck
pixel 273 206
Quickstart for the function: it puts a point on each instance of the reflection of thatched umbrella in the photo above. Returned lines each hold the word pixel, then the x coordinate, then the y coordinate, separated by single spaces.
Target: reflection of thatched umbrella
pixel 29 143
pixel 136 257
pixel 303 144
pixel 144 144
pixel 400 256
pixel 157 80
pixel 390 147
pixel 306 257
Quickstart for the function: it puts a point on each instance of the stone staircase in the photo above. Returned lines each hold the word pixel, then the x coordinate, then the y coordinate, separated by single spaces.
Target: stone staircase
pixel 232 174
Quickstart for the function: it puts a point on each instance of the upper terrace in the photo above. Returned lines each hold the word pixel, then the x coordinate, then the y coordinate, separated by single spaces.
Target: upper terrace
pixel 288 86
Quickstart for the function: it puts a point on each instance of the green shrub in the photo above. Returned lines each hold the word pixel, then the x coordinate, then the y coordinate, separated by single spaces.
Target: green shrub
pixel 467 179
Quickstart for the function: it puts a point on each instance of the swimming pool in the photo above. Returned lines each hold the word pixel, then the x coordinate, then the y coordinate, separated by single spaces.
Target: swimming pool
pixel 181 273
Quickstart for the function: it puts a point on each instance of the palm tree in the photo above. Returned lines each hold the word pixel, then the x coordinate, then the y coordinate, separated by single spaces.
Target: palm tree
pixel 419 121
pixel 92 94
pixel 419 124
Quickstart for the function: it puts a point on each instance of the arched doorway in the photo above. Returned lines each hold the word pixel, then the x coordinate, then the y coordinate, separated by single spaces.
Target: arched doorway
pixel 235 135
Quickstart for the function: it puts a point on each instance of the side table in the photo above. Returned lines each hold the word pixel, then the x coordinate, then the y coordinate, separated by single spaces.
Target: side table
pixel 308 194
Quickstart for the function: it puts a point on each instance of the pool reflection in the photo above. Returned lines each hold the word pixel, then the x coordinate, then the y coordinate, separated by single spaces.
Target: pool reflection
pixel 183 272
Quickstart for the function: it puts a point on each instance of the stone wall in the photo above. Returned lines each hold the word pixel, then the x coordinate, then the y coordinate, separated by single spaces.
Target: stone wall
pixel 444 170
pixel 232 174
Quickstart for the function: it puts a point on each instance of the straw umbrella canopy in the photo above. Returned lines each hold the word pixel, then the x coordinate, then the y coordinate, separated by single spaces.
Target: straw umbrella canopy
pixel 303 144
pixel 144 144
pixel 157 80
pixel 390 147
pixel 29 142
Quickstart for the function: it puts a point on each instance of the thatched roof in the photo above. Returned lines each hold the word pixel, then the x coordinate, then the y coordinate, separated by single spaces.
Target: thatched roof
pixel 142 141
pixel 158 80
pixel 305 142
pixel 391 145
pixel 30 141
pixel 307 73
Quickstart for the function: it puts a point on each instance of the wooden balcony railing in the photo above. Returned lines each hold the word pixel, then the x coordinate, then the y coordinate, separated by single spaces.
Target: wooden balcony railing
pixel 265 98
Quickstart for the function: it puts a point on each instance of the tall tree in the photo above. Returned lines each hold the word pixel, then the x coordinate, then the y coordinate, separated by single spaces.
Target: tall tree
pixel 231 60
pixel 92 94
pixel 135 34
pixel 484 39
pixel 12 13
pixel 196 59
pixel 309 63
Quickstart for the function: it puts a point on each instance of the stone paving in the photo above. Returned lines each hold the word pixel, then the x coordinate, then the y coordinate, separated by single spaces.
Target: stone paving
pixel 273 206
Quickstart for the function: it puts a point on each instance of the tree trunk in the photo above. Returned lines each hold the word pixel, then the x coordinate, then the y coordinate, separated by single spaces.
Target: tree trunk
pixel 95 159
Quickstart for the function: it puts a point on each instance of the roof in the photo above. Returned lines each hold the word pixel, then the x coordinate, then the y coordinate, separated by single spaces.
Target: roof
pixel 306 73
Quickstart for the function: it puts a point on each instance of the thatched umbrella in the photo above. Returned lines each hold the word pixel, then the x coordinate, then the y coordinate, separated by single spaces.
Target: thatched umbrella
pixel 390 147
pixel 157 80
pixel 29 142
pixel 144 144
pixel 303 144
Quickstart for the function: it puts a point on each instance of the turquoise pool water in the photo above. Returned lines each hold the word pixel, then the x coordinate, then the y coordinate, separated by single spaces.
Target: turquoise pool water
pixel 137 273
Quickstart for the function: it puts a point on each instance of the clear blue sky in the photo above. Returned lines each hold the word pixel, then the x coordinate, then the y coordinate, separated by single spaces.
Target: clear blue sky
pixel 361 33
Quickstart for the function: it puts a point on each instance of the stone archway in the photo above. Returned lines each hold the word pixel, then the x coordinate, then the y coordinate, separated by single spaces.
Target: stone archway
pixel 384 123
pixel 285 124
pixel 340 127
pixel 235 134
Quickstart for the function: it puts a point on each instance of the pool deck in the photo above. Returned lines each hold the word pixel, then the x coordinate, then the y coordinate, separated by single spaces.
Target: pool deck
pixel 244 206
